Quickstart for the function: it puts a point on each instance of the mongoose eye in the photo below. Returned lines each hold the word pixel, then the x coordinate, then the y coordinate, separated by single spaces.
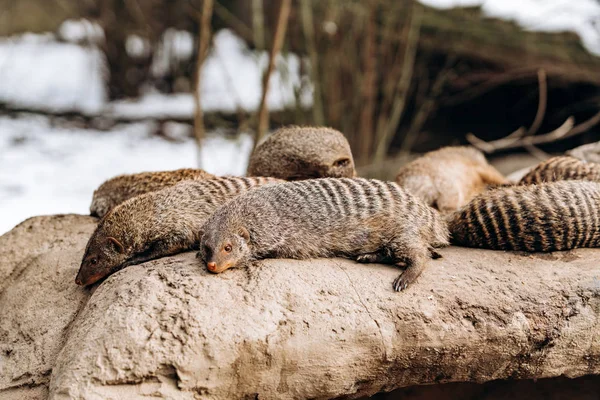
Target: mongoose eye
pixel 342 162
pixel 94 261
pixel 227 248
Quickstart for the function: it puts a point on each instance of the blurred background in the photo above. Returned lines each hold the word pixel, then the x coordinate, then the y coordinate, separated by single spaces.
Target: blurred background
pixel 92 89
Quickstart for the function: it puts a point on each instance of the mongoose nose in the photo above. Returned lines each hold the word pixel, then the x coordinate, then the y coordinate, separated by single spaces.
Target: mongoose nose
pixel 212 266
pixel 78 280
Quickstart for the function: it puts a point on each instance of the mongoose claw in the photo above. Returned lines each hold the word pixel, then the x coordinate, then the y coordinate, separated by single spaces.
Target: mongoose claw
pixel 400 284
pixel 367 258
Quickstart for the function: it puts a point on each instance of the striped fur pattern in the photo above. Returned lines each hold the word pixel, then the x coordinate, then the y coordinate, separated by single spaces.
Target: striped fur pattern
pixel 366 220
pixel 157 224
pixel 303 152
pixel 450 177
pixel 545 217
pixel 123 187
pixel 560 169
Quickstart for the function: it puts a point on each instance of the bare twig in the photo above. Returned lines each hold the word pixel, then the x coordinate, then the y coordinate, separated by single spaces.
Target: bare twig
pixel 564 131
pixel 232 20
pixel 368 89
pixel 428 107
pixel 410 55
pixel 263 112
pixel 258 24
pixel 309 34
pixel 203 45
pixel 539 116
pixel 542 103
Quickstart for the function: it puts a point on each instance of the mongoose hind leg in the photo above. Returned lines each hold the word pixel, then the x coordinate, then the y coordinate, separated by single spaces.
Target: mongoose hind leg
pixel 414 257
pixel 433 253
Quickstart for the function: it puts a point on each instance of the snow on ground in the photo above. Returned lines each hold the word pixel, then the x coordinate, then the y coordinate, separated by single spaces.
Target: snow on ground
pixel 72 78
pixel 49 170
pixel 231 80
pixel 542 15
pixel 40 73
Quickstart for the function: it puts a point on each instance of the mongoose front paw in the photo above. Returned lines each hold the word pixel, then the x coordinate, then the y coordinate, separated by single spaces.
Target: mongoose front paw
pixel 406 278
pixel 400 283
pixel 367 258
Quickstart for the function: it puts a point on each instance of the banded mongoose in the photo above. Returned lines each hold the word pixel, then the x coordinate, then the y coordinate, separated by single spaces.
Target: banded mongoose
pixel 562 168
pixel 450 177
pixel 365 220
pixel 545 217
pixel 120 188
pixel 157 224
pixel 296 153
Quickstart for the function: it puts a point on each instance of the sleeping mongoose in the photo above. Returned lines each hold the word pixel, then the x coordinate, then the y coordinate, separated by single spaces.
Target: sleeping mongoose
pixel 562 168
pixel 450 177
pixel 365 220
pixel 157 224
pixel 544 217
pixel 296 153
pixel 120 188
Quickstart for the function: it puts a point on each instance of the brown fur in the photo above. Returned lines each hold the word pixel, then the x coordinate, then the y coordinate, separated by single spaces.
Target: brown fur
pixel 120 188
pixel 450 177
pixel 296 153
pixel 545 217
pixel 562 168
pixel 366 220
pixel 157 224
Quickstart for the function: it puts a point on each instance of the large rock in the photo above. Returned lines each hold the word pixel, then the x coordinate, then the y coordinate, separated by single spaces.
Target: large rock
pixel 285 329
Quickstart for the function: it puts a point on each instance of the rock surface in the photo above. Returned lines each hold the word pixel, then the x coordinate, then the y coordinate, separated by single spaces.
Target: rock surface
pixel 284 329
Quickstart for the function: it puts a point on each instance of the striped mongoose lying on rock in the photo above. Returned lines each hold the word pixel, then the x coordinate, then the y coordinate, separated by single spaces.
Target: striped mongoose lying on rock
pixel 157 224
pixel 450 177
pixel 544 217
pixel 123 187
pixel 296 153
pixel 366 220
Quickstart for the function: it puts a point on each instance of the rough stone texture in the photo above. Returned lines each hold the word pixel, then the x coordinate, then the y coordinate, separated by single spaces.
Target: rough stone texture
pixel 285 329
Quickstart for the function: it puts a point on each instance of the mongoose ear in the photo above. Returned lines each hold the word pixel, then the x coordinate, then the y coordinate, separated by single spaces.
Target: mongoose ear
pixel 243 232
pixel 118 246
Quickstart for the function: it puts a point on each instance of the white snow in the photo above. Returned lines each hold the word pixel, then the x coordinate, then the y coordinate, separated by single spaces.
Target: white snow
pixel 38 72
pixel 81 31
pixel 48 170
pixel 542 15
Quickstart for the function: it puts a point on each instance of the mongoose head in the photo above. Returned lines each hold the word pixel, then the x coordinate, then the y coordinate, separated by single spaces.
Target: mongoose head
pixel 103 256
pixel 224 249
pixel 296 153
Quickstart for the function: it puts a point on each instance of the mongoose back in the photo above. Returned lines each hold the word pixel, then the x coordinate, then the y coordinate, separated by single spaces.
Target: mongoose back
pixel 450 177
pixel 123 187
pixel 366 220
pixel 562 168
pixel 545 217
pixel 157 224
pixel 296 153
